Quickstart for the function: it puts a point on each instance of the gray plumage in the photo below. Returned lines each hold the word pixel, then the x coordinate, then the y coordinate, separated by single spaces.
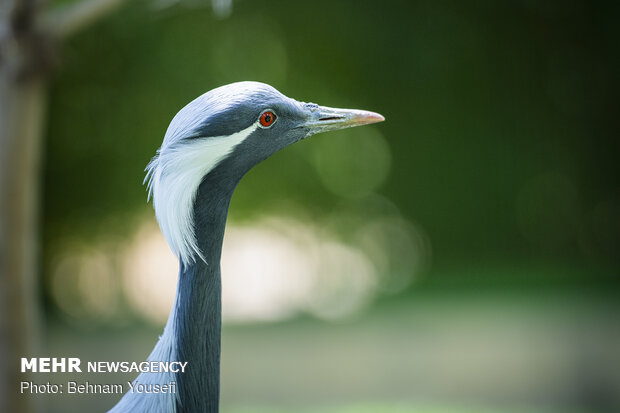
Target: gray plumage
pixel 208 147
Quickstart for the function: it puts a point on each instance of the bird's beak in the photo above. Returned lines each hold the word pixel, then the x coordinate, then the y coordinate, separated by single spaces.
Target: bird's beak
pixel 323 119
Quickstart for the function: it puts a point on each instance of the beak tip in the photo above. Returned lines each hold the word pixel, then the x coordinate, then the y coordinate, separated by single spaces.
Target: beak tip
pixel 373 117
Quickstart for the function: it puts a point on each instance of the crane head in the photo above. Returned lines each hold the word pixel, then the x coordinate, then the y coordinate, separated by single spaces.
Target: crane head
pixel 236 125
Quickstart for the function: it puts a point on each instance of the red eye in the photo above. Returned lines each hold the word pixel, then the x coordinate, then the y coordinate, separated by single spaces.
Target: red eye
pixel 267 118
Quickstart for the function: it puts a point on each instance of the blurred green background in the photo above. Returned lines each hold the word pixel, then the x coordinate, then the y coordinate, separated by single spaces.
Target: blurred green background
pixel 460 257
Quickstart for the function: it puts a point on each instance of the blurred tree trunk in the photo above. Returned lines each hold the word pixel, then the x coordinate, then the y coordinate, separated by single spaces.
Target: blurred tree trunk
pixel 22 83
pixel 21 113
pixel 27 39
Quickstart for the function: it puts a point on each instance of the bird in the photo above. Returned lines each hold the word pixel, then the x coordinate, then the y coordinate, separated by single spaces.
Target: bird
pixel 210 144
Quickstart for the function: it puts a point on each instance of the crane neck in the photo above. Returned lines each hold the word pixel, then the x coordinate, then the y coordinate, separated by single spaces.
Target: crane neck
pixel 193 330
pixel 198 306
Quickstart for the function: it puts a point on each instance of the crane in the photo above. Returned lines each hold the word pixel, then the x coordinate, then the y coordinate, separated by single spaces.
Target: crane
pixel 208 147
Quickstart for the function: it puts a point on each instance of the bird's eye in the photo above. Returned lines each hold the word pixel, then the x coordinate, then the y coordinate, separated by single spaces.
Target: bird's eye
pixel 267 118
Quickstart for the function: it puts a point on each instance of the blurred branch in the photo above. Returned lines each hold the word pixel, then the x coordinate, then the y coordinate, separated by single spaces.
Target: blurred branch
pixel 221 8
pixel 67 20
pixel 70 19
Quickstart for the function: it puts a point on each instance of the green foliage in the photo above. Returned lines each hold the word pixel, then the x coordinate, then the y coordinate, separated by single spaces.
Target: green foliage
pixel 499 131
